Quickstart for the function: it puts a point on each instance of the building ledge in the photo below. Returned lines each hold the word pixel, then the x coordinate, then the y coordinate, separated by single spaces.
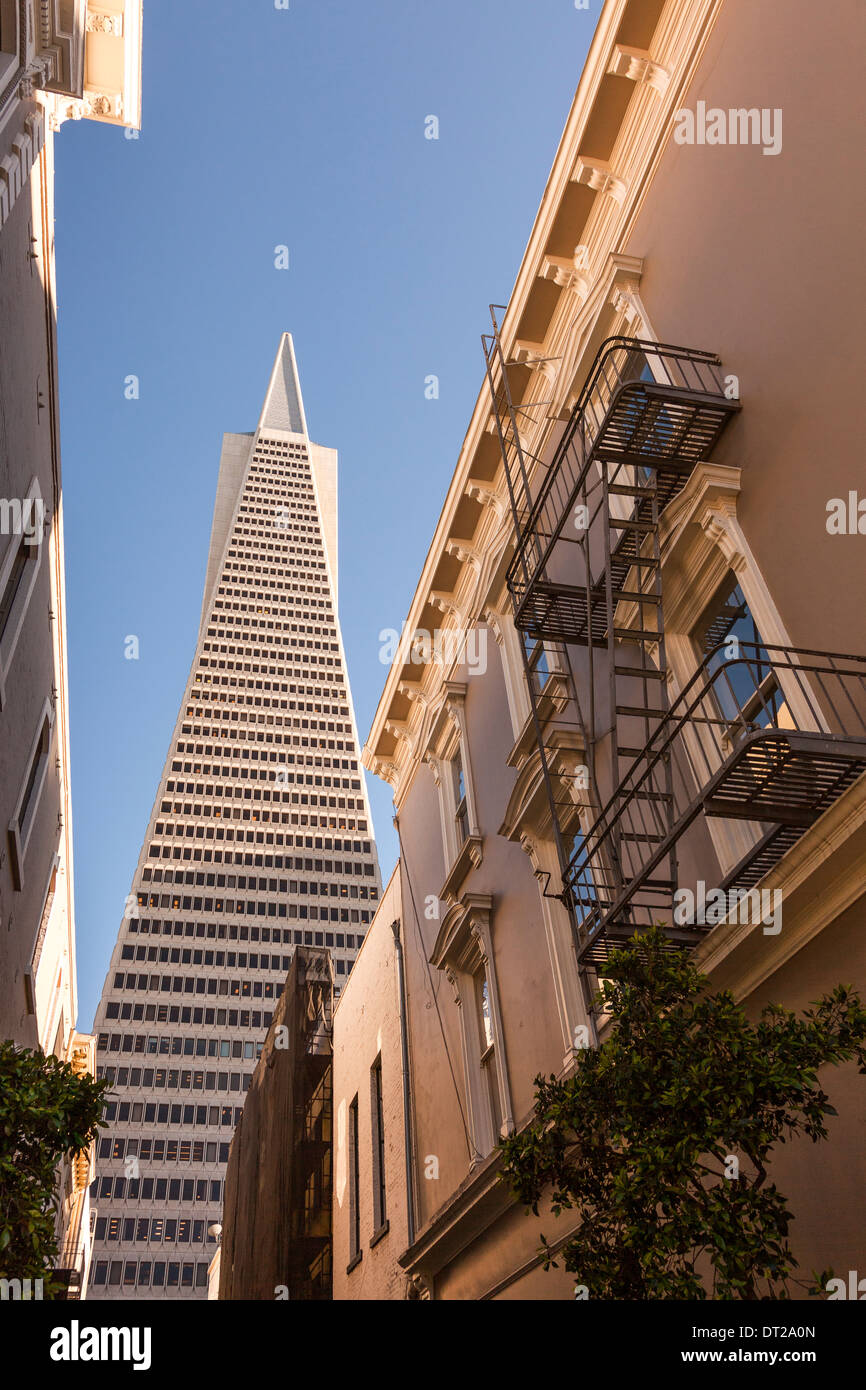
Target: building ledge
pixel 470 856
pixel 479 1201
pixel 820 877
pixel 380 1233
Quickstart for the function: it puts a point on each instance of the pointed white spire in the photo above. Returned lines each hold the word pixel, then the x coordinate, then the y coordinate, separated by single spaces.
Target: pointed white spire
pixel 284 406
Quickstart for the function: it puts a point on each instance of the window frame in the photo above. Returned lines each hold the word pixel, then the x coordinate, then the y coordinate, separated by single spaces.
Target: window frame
pixel 28 801
pixel 354 1156
pixel 463 949
pixel 379 1166
pixel 23 590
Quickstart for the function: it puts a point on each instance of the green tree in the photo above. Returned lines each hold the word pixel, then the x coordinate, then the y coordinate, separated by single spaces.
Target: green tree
pixel 638 1141
pixel 47 1113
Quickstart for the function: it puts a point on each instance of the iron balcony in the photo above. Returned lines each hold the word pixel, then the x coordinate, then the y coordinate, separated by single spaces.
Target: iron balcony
pixel 771 736
pixel 648 407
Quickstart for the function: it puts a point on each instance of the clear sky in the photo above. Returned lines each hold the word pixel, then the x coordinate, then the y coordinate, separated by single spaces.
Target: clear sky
pixel 265 127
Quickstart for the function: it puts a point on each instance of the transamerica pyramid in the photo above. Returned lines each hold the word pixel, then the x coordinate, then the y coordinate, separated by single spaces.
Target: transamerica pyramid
pixel 260 839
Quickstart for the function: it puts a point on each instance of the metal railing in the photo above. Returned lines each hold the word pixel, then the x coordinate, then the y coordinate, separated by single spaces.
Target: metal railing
pixel 611 416
pixel 768 735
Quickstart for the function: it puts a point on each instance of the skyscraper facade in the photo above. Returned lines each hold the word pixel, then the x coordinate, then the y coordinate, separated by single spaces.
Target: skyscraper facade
pixel 260 840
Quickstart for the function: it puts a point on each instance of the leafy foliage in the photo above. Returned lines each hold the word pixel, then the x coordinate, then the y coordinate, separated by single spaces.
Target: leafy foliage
pixel 638 1140
pixel 47 1113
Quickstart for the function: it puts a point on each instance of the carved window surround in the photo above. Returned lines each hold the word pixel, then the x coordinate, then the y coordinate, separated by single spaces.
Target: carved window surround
pixel 32 972
pixel 702 541
pixel 33 553
pixel 463 947
pixel 36 767
pixel 553 697
pixel 567 988
pixel 447 742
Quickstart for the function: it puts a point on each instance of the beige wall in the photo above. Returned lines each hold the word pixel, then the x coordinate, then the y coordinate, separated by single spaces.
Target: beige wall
pixel 35 671
pixel 755 257
pixel 750 255
pixel 727 249
pixel 532 1037
pixel 367 1026
pixel 824 1183
pixel 38 999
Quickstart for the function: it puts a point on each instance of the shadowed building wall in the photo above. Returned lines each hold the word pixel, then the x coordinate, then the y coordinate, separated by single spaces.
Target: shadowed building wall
pixel 276 1240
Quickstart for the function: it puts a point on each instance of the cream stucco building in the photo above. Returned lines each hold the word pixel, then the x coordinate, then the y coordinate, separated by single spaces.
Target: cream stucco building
pixel 654 681
pixel 61 60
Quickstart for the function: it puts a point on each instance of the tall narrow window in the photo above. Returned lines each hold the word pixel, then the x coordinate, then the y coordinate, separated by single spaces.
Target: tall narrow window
pixel 22 822
pixel 487 1053
pixel 748 690
pixel 461 815
pixel 11 587
pixel 19 566
pixel 354 1185
pixel 537 665
pixel 380 1209
pixel 36 767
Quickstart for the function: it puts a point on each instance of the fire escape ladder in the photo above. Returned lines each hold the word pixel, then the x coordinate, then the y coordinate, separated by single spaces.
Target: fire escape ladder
pixel 586 577
pixel 637 685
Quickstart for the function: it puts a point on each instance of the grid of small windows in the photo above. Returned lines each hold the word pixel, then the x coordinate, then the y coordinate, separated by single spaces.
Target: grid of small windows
pixel 259 842
pixel 149 1274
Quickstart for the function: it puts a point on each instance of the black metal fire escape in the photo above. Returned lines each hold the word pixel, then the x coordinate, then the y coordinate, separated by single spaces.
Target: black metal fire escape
pixel 587 574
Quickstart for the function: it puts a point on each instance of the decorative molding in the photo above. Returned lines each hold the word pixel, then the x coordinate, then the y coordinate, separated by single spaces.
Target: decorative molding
pixel 488 498
pixel 637 65
pixel 111 24
pixel 568 274
pixel 387 771
pixel 466 554
pixel 445 604
pixel 644 128
pixel 470 857
pixel 463 944
pixel 598 175
pixel 419 1289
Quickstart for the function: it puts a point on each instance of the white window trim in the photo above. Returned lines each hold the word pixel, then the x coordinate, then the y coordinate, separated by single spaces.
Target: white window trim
pixel 709 500
pixel 448 736
pixel 25 590
pixel 378 1170
pixel 19 835
pixel 463 947
pixel 510 643
pixel 568 992
pixel 697 571
pixel 31 976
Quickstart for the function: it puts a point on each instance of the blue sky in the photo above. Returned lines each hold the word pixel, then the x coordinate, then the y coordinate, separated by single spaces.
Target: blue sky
pixel 266 127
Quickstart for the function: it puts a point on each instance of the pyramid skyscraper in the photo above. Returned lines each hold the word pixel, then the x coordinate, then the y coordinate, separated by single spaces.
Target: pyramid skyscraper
pixel 260 839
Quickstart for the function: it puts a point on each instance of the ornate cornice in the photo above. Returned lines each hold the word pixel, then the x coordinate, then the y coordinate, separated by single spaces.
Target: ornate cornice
pixel 598 175
pixel 595 272
pixel 637 65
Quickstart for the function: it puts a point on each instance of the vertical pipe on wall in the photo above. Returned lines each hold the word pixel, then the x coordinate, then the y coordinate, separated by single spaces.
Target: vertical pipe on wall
pixel 404 1047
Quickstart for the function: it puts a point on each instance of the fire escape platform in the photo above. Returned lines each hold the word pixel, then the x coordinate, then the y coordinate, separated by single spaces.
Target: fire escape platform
pixel 654 423
pixel 786 777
